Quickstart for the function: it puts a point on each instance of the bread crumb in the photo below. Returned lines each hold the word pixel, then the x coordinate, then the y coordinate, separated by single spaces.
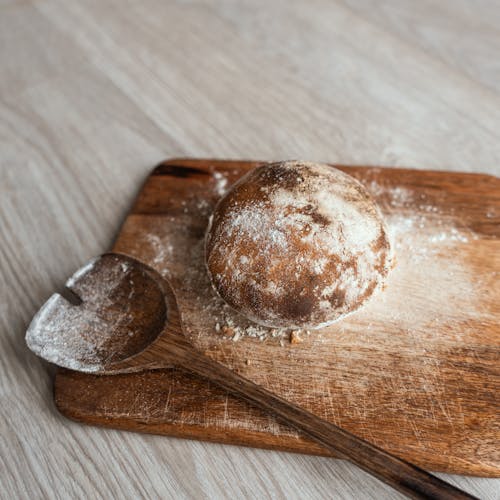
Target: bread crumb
pixel 227 331
pixel 295 337
pixel 248 362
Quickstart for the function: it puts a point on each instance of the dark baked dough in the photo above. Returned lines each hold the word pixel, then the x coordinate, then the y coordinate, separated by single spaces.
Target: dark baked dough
pixel 297 244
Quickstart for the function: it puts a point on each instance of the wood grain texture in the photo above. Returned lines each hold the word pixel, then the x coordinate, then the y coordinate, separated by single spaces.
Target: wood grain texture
pixel 427 392
pixel 93 94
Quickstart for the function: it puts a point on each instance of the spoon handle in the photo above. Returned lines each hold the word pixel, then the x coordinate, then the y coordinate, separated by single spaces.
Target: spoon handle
pixel 401 475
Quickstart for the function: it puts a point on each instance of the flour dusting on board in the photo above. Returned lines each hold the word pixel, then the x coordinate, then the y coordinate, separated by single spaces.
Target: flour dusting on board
pixel 421 239
pixel 221 183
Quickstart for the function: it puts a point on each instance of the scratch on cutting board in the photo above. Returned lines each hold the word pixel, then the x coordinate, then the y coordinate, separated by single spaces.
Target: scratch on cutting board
pixel 330 399
pixel 133 406
pixel 416 432
pixel 225 408
pixel 167 402
pixel 445 412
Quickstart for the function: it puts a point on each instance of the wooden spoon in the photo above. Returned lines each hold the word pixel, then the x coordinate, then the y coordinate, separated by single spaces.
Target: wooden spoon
pixel 118 315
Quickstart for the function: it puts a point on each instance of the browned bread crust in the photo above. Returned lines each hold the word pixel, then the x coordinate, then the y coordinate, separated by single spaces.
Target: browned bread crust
pixel 297 244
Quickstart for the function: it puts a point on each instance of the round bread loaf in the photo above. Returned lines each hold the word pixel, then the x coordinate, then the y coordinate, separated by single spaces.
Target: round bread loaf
pixel 296 244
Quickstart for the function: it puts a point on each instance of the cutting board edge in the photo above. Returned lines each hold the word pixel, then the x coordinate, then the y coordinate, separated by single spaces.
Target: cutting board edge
pixel 231 163
pixel 238 437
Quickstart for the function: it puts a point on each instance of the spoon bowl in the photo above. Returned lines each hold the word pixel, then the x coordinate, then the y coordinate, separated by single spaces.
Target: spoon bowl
pixel 105 319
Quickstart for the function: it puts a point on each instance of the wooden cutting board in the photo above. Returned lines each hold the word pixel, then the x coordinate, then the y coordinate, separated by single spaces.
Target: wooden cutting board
pixel 416 371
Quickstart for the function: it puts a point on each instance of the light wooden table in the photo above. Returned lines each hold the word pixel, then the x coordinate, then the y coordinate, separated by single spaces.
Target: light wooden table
pixel 94 93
